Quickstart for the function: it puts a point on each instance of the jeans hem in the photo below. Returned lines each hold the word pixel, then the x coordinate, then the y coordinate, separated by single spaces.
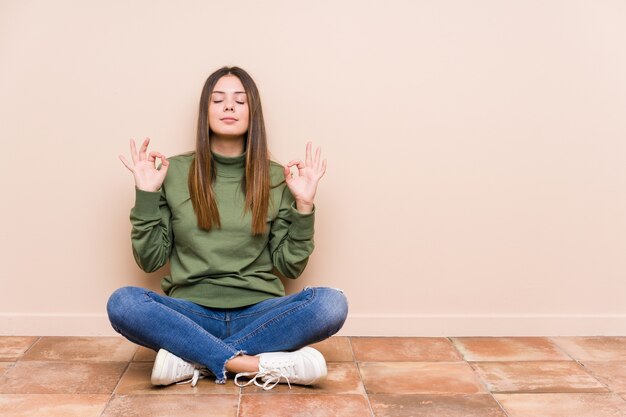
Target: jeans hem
pixel 223 379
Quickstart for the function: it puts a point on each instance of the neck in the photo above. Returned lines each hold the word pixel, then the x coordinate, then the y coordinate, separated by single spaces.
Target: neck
pixel 227 146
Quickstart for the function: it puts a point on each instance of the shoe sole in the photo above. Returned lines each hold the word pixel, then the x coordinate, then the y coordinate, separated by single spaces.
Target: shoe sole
pixel 318 360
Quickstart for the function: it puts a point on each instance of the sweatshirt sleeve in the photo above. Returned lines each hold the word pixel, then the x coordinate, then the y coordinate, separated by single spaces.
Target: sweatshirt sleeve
pixel 291 237
pixel 151 234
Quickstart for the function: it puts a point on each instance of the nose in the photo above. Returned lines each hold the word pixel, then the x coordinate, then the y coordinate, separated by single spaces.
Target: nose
pixel 229 105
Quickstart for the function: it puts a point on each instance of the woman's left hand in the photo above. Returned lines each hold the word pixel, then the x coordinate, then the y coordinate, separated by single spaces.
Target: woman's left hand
pixel 304 186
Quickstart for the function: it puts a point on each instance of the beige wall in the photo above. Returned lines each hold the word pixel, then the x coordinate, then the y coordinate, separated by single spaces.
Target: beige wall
pixel 476 151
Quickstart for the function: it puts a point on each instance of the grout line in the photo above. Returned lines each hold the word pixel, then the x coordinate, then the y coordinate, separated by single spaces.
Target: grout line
pixel 115 388
pixel 561 349
pixel 132 358
pixel 593 375
pixel 478 377
pixel 106 405
pixel 499 405
pixel 582 365
pixel 367 396
pixel 351 349
pixel 29 348
pixel 554 392
pixel 4 370
pixel 121 377
pixel 572 359
pixel 454 346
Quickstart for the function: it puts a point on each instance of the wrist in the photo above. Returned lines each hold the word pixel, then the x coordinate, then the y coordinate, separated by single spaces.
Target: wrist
pixel 148 189
pixel 304 207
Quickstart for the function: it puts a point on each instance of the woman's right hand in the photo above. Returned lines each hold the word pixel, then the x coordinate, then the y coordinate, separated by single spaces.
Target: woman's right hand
pixel 147 177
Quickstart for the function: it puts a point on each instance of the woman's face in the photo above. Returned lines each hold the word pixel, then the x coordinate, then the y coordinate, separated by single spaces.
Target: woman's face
pixel 228 108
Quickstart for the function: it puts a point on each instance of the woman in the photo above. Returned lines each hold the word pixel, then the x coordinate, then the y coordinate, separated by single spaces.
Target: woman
pixel 229 220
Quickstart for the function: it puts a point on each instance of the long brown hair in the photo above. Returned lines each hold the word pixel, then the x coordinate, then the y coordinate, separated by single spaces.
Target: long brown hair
pixel 256 181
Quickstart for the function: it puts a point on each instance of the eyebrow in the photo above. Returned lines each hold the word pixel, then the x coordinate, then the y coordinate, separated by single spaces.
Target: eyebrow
pixel 236 92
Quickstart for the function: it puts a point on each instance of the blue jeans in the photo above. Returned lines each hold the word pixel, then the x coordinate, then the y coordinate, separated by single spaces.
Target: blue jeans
pixel 212 336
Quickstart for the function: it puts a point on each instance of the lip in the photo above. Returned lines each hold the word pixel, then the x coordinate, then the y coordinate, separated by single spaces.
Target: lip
pixel 228 119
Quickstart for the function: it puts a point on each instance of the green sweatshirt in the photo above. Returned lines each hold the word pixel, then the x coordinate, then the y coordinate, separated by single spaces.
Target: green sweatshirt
pixel 226 267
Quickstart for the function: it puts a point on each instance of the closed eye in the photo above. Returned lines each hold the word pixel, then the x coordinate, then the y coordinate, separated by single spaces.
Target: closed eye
pixel 238 102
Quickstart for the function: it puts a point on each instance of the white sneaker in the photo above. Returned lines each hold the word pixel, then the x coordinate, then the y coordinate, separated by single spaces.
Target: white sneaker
pixel 304 367
pixel 169 368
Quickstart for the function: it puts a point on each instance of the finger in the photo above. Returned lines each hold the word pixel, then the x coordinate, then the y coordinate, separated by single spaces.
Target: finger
pixel 287 172
pixel 323 168
pixel 125 162
pixel 296 162
pixel 164 165
pixel 154 155
pixel 142 151
pixel 299 164
pixel 307 157
pixel 133 150
pixel 164 162
pixel 316 161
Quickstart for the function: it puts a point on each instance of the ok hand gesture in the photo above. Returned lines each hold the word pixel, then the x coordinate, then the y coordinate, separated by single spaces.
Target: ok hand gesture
pixel 304 186
pixel 147 177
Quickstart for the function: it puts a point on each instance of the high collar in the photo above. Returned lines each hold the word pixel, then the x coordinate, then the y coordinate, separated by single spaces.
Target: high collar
pixel 230 166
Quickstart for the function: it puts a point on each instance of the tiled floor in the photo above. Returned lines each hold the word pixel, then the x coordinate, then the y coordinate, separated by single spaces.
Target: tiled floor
pixel 382 377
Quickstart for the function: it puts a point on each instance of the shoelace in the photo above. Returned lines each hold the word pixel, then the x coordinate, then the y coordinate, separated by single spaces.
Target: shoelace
pixel 197 375
pixel 273 376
